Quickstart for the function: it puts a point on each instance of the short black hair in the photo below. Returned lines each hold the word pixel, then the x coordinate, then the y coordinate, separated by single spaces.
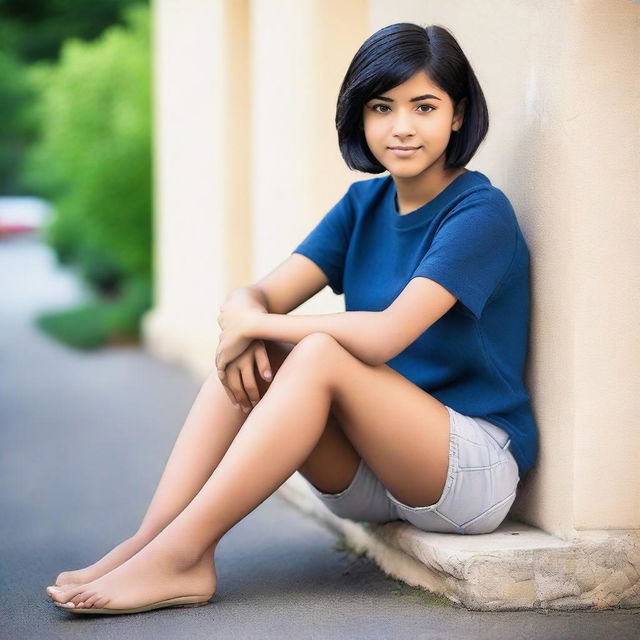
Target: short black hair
pixel 388 58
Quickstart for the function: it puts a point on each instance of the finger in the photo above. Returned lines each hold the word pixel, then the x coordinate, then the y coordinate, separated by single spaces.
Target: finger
pixel 232 399
pixel 225 385
pixel 221 364
pixel 249 382
pixel 235 384
pixel 262 361
pixel 243 364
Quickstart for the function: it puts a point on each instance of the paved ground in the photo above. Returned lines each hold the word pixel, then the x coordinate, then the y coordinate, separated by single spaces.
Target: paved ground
pixel 84 439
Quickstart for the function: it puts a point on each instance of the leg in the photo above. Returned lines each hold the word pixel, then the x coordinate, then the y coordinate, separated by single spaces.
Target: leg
pixel 272 444
pixel 400 430
pixel 210 428
pixel 211 425
pixel 334 461
pixel 277 438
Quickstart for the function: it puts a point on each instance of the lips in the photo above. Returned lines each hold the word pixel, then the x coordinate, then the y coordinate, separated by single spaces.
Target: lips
pixel 404 152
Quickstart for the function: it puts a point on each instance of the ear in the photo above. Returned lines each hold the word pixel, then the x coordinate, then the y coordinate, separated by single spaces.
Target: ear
pixel 459 114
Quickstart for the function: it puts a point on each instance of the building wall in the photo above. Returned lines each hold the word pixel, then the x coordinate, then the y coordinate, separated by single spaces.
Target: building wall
pixel 247 162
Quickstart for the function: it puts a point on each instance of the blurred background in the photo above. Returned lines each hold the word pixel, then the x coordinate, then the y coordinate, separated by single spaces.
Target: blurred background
pixel 75 159
pixel 85 412
pixel 113 265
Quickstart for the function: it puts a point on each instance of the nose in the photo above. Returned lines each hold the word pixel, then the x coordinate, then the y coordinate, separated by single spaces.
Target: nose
pixel 402 126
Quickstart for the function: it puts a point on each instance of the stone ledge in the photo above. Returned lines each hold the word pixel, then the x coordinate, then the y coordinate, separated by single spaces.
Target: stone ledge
pixel 516 567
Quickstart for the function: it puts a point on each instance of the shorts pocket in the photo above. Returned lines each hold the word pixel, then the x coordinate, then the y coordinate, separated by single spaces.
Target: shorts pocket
pixel 491 519
pixel 475 456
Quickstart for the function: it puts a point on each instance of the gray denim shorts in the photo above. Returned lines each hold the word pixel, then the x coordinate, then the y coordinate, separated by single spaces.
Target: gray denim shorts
pixel 482 479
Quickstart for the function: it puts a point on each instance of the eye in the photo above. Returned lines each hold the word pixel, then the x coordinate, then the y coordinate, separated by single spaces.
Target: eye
pixel 428 106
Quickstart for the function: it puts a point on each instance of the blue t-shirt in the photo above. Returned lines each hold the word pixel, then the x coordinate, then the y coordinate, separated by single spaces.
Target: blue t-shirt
pixel 467 238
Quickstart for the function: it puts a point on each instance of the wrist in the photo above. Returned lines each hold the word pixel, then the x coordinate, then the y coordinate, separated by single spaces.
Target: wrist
pixel 252 296
pixel 251 323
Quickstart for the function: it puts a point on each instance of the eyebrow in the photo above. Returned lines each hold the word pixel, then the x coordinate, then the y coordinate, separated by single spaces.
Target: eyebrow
pixel 426 96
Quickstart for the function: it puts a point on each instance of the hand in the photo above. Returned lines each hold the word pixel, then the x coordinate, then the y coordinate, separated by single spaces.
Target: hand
pixel 233 312
pixel 233 370
pixel 240 382
pixel 233 341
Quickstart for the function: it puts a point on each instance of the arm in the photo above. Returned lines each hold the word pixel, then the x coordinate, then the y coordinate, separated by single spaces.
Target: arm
pixel 374 337
pixel 362 333
pixel 251 295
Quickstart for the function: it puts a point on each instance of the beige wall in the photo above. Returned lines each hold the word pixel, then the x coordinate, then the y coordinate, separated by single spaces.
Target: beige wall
pixel 299 55
pixel 202 185
pixel 247 162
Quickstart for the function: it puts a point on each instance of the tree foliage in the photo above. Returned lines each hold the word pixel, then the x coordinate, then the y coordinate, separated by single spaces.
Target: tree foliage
pixel 93 160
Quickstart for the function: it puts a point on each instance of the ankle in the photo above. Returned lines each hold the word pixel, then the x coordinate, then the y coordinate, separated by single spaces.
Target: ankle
pixel 186 559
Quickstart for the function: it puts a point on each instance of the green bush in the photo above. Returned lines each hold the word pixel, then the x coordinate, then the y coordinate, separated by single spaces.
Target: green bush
pixel 123 318
pixel 94 158
pixel 17 130
pixel 97 323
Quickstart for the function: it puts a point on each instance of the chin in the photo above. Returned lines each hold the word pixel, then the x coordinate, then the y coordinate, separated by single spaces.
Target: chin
pixel 407 172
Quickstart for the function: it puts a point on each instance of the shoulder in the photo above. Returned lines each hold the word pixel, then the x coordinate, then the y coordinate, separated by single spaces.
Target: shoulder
pixel 370 187
pixel 487 194
pixel 366 196
pixel 485 202
pixel 482 215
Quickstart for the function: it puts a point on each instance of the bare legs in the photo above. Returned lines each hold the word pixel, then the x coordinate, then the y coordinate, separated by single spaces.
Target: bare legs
pixel 277 437
pixel 402 431
pixel 210 427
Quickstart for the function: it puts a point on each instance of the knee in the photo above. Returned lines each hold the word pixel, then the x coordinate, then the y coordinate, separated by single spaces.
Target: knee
pixel 317 348
pixel 317 341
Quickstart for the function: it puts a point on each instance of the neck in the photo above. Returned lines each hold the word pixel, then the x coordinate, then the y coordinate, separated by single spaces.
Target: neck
pixel 415 192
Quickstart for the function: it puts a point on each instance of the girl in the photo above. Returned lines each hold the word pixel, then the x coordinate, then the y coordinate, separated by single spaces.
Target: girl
pixel 411 404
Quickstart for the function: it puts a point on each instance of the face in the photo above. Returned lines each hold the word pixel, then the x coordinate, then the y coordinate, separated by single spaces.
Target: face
pixel 396 118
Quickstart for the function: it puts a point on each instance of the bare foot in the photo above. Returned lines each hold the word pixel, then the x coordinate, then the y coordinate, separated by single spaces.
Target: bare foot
pixel 111 560
pixel 154 573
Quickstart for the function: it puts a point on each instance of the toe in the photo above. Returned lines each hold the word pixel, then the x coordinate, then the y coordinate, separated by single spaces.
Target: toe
pixel 52 592
pixel 84 598
pixel 100 602
pixel 79 598
pixel 90 600
pixel 64 595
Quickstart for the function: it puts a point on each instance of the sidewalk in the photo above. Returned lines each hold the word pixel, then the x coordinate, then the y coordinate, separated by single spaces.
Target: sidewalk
pixel 85 437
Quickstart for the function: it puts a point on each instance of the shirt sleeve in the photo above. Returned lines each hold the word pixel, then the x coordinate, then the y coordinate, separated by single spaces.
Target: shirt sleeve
pixel 327 243
pixel 472 251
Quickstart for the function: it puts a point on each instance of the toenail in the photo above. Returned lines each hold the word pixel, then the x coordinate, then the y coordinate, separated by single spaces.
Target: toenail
pixel 68 604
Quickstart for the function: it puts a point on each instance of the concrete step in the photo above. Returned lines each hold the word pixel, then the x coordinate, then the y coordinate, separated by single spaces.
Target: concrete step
pixel 516 567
